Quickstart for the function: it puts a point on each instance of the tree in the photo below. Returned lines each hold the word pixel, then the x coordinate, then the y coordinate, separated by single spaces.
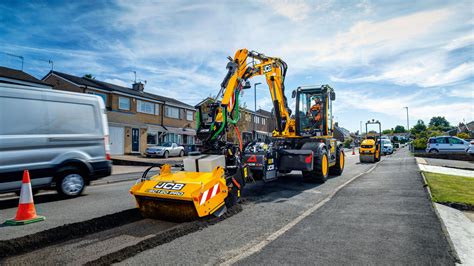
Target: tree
pixel 463 135
pixel 89 76
pixel 399 129
pixel 419 127
pixel 387 131
pixel 439 122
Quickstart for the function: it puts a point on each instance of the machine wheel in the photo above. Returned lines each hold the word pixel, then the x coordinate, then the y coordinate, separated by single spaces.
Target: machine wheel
pixel 320 171
pixel 338 168
pixel 70 182
pixel 166 154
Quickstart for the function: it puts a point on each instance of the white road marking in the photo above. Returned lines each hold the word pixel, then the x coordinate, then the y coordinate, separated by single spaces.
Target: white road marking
pixel 247 251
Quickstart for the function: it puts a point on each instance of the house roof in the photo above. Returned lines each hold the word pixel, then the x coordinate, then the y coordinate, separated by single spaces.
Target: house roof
pixel 11 73
pixel 264 112
pixel 113 87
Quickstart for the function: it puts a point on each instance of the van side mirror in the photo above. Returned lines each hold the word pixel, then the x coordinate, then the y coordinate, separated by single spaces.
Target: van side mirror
pixel 293 94
pixel 333 96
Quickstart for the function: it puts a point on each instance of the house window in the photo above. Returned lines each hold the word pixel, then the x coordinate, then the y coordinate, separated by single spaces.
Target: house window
pixel 189 115
pixel 145 107
pixel 189 139
pixel 256 119
pixel 172 137
pixel 152 138
pixel 124 103
pixel 263 121
pixel 102 95
pixel 172 112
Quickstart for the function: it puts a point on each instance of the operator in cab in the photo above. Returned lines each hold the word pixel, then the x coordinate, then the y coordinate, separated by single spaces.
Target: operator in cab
pixel 316 113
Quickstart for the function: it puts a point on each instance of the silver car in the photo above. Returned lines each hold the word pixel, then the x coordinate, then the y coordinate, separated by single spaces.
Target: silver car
pixel 387 147
pixel 60 137
pixel 165 150
pixel 446 144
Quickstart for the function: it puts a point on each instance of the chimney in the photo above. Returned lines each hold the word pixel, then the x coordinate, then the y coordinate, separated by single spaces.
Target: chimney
pixel 138 86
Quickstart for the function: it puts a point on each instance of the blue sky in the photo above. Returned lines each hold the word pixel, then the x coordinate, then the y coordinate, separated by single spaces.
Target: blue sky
pixel 379 56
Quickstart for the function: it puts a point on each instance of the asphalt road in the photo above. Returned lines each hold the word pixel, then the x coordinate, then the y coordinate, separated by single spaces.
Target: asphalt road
pixel 383 217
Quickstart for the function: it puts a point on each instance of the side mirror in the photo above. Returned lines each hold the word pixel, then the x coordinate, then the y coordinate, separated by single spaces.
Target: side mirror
pixel 293 94
pixel 333 96
pixel 247 85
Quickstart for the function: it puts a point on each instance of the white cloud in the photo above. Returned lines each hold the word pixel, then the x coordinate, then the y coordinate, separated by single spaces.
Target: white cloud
pixel 295 10
pixel 421 105
pixel 118 82
pixel 460 42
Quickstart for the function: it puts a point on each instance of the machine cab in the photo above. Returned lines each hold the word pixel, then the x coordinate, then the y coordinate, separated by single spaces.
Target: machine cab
pixel 314 110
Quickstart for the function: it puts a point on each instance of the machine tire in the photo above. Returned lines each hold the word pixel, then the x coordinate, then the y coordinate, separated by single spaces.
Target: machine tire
pixel 338 168
pixel 166 155
pixel 75 177
pixel 321 169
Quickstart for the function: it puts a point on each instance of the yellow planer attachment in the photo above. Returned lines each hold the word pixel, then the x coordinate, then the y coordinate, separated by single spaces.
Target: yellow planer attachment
pixel 181 196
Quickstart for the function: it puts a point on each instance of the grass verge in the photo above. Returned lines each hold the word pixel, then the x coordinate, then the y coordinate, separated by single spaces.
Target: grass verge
pixel 451 189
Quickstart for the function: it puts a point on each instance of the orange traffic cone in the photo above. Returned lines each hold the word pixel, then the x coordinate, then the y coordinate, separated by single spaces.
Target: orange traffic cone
pixel 26 213
pixel 353 151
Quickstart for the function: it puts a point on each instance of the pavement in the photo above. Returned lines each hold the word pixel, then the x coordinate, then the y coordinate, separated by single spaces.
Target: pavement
pixel 450 163
pixel 424 166
pixel 460 230
pixel 384 217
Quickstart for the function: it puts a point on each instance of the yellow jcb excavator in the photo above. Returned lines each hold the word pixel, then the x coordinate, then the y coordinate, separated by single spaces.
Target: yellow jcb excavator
pixel 211 181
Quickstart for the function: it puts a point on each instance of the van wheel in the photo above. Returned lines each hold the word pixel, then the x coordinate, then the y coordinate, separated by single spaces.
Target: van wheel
pixel 70 182
pixel 434 151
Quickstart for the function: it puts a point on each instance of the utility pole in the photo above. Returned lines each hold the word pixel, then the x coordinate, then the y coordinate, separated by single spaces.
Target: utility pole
pixel 255 110
pixel 360 132
pixel 408 121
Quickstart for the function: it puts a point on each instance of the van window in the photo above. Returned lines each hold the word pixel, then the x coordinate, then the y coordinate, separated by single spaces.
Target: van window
pixel 455 141
pixel 28 116
pixel 441 140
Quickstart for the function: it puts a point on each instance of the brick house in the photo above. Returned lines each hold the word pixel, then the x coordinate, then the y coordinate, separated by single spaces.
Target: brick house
pixel 262 121
pixel 136 118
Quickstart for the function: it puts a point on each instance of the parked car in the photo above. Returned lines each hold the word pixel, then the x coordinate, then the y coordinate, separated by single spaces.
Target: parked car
pixel 446 144
pixel 387 147
pixel 165 150
pixel 60 137
pixel 470 148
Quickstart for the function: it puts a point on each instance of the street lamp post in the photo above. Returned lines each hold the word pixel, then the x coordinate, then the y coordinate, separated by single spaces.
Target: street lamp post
pixel 408 121
pixel 255 109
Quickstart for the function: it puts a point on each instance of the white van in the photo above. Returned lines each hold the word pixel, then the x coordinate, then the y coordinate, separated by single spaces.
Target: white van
pixel 60 137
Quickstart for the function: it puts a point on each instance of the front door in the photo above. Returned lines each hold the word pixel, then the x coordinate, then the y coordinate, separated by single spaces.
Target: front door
pixel 135 140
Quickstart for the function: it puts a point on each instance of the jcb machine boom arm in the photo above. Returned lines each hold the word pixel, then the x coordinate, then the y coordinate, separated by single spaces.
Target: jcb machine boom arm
pixel 213 125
